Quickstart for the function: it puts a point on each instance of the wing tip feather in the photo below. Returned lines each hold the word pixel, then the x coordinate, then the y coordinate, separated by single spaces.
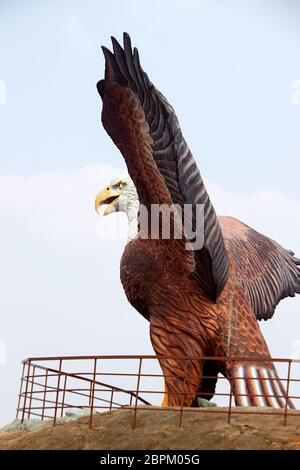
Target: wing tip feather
pixel 123 63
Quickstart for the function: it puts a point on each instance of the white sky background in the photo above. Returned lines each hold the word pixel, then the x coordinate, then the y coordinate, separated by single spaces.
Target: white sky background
pixel 227 67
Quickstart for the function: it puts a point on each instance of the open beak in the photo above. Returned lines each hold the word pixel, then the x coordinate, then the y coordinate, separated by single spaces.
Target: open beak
pixel 109 197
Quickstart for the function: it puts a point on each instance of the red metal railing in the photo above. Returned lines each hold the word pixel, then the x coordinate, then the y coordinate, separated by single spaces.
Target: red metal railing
pixel 51 386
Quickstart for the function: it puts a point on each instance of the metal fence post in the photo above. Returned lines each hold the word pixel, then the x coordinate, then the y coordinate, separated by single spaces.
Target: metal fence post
pixel 287 392
pixel 137 392
pixel 111 400
pixel 26 390
pixel 183 393
pixel 31 392
pixel 93 393
pixel 57 393
pixel 21 390
pixel 231 390
pixel 63 397
pixel 45 394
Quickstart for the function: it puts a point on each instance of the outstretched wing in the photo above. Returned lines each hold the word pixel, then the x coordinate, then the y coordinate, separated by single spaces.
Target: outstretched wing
pixel 268 271
pixel 167 150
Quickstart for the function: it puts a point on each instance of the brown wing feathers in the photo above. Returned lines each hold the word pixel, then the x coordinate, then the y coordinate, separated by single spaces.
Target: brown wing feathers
pixel 172 158
pixel 268 271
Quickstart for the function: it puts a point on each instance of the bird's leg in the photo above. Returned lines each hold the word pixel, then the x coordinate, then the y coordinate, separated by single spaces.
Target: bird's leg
pixel 181 360
pixel 182 376
pixel 182 380
pixel 165 402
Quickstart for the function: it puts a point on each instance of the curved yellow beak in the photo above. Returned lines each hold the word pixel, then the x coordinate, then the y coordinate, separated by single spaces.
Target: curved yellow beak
pixel 109 197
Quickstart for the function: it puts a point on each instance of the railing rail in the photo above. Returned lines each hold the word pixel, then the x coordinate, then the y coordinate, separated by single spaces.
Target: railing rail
pixel 51 386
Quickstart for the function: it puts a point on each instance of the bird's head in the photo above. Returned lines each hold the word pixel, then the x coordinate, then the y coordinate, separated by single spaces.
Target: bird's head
pixel 119 195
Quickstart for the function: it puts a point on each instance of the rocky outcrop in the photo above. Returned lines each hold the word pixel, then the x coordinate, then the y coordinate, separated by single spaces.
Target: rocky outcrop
pixel 158 429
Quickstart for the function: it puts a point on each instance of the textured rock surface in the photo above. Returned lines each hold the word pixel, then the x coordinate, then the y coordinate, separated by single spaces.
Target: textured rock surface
pixel 34 424
pixel 157 429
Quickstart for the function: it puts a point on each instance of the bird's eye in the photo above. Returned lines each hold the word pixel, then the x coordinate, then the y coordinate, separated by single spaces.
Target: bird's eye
pixel 121 185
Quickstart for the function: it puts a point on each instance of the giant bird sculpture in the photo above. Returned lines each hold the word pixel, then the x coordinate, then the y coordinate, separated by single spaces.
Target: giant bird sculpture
pixel 203 302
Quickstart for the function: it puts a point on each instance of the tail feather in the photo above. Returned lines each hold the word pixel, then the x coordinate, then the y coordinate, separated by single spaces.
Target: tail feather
pixel 259 385
pixel 280 390
pixel 272 396
pixel 239 387
pixel 254 386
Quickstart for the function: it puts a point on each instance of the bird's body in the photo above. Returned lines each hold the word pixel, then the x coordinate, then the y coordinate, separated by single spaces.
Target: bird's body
pixel 184 321
pixel 203 301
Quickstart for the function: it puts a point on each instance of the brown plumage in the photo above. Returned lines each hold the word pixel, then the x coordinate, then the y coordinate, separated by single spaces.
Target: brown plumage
pixel 203 302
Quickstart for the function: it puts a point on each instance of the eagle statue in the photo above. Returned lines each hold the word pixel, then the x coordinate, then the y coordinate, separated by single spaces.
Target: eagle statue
pixel 202 302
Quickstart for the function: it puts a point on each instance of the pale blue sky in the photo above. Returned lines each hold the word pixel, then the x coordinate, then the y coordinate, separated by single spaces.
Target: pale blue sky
pixel 226 66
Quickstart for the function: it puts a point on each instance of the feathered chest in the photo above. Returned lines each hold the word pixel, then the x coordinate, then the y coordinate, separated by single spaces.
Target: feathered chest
pixel 149 268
